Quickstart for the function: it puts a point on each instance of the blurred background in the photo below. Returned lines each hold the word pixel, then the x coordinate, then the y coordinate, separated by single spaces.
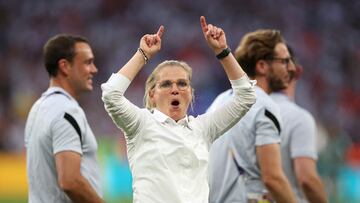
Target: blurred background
pixel 324 34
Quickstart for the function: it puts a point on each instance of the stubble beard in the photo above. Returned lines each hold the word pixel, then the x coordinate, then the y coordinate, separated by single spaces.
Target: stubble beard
pixel 276 84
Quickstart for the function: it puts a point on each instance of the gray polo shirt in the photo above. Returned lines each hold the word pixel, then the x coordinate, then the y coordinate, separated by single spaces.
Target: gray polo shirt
pixel 234 153
pixel 298 138
pixel 57 123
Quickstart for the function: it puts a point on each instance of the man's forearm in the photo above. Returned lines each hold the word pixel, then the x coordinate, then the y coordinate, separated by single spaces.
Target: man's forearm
pixel 314 191
pixel 280 190
pixel 80 191
pixel 309 180
pixel 272 174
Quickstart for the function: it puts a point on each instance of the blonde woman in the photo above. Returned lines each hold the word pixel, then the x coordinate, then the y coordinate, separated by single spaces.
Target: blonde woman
pixel 167 149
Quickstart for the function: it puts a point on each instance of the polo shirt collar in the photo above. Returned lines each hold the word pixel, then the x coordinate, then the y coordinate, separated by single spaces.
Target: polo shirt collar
pixel 260 91
pixel 281 96
pixel 52 90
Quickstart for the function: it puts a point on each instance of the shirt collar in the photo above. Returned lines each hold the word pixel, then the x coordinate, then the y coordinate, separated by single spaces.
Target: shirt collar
pixel 52 90
pixel 163 118
pixel 280 96
pixel 260 91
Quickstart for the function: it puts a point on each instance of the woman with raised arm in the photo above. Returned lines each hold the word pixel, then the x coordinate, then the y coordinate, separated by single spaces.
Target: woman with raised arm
pixel 167 149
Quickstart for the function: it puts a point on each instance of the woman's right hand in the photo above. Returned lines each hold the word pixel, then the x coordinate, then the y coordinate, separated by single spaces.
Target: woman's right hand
pixel 151 43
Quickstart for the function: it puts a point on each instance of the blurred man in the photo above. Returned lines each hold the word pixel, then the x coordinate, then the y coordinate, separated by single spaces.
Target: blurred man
pixel 245 163
pixel 298 143
pixel 61 148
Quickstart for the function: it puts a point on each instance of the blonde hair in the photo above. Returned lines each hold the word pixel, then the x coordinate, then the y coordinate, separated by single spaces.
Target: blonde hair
pixel 153 79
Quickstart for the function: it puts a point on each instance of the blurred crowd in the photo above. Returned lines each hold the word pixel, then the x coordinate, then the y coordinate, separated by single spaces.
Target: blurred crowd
pixel 325 34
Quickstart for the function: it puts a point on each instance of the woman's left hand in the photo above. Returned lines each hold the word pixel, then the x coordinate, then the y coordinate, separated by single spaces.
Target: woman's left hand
pixel 215 36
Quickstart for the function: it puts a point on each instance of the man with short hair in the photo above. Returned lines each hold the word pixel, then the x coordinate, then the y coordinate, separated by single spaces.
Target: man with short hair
pixel 245 163
pixel 61 148
pixel 298 143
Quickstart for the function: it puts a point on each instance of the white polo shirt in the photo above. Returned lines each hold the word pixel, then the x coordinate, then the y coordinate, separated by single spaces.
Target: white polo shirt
pixel 233 166
pixel 168 159
pixel 298 138
pixel 57 123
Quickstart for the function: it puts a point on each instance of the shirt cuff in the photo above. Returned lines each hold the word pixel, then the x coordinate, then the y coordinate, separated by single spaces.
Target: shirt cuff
pixel 117 81
pixel 244 81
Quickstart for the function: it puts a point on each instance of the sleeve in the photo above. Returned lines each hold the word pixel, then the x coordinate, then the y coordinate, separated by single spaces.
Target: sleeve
pixel 303 137
pixel 124 114
pixel 222 119
pixel 66 133
pixel 267 127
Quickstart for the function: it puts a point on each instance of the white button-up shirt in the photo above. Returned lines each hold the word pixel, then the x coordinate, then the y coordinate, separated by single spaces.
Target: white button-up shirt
pixel 169 159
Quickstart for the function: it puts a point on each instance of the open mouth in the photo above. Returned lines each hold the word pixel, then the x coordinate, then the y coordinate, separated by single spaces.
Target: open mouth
pixel 175 103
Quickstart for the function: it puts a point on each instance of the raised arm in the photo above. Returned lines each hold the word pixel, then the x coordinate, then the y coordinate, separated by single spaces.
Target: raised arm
pixel 218 122
pixel 216 39
pixel 126 115
pixel 150 44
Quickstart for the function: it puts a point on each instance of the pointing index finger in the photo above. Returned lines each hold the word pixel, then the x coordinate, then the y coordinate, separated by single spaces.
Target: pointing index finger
pixel 160 32
pixel 203 24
